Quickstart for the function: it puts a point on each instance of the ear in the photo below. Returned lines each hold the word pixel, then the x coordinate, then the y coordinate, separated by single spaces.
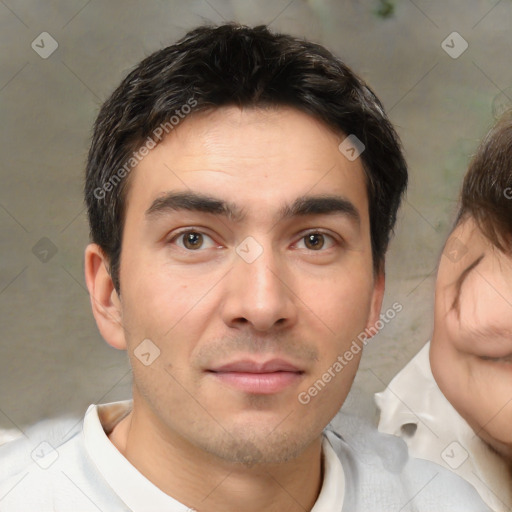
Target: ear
pixel 106 305
pixel 377 297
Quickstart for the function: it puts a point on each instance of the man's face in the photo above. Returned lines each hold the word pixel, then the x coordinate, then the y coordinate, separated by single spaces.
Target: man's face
pixel 246 260
pixel 471 350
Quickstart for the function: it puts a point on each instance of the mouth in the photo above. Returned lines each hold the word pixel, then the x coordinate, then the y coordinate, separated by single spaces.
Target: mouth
pixel 254 377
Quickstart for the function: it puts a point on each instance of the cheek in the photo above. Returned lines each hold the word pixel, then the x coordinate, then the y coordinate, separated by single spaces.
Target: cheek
pixel 447 367
pixel 454 372
pixel 160 307
pixel 498 430
pixel 344 303
pixel 479 391
pixel 341 316
pixel 489 400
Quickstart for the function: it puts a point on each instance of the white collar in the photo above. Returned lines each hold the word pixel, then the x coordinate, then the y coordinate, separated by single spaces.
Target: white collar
pixel 141 495
pixel 332 493
pixel 439 434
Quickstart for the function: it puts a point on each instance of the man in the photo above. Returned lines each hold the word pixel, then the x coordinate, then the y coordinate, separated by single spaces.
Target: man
pixel 453 401
pixel 241 190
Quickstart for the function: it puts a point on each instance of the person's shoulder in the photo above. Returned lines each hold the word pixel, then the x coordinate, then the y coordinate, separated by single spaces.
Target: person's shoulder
pixel 36 445
pixel 380 475
pixel 48 469
pixel 26 472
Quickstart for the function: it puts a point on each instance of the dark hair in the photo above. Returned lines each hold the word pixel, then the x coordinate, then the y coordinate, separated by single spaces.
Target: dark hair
pixel 486 194
pixel 246 67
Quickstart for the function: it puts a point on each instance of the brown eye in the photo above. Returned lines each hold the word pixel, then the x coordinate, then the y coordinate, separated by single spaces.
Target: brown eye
pixel 192 240
pixel 314 241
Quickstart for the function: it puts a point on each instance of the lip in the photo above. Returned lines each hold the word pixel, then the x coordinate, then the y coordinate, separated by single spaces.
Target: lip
pixel 255 377
pixel 250 366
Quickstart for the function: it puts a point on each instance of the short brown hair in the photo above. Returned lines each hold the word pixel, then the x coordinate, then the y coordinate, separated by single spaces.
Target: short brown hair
pixel 486 194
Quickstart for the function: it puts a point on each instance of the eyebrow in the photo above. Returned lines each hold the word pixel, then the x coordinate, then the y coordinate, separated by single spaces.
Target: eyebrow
pixel 460 281
pixel 302 206
pixel 320 205
pixel 191 201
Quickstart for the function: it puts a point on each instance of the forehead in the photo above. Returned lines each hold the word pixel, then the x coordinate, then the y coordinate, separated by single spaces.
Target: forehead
pixel 480 274
pixel 255 158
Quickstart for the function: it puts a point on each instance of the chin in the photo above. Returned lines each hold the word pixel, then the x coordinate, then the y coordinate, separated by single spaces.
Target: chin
pixel 502 449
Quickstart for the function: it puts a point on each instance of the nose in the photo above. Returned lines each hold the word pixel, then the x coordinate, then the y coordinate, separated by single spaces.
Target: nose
pixel 259 294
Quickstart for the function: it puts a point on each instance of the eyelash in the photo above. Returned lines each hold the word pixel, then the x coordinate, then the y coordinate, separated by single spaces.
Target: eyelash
pixel 179 234
pixel 302 237
pixel 334 242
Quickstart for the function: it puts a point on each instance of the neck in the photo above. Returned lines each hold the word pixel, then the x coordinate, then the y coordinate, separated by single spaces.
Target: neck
pixel 206 483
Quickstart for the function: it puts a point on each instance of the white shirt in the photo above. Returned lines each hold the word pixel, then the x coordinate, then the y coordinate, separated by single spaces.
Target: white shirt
pixel 140 495
pixel 7 435
pixel 414 408
pixel 70 465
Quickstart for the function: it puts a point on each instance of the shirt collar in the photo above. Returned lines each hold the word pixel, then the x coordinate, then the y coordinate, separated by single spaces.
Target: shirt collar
pixel 141 495
pixel 131 486
pixel 414 408
pixel 332 493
